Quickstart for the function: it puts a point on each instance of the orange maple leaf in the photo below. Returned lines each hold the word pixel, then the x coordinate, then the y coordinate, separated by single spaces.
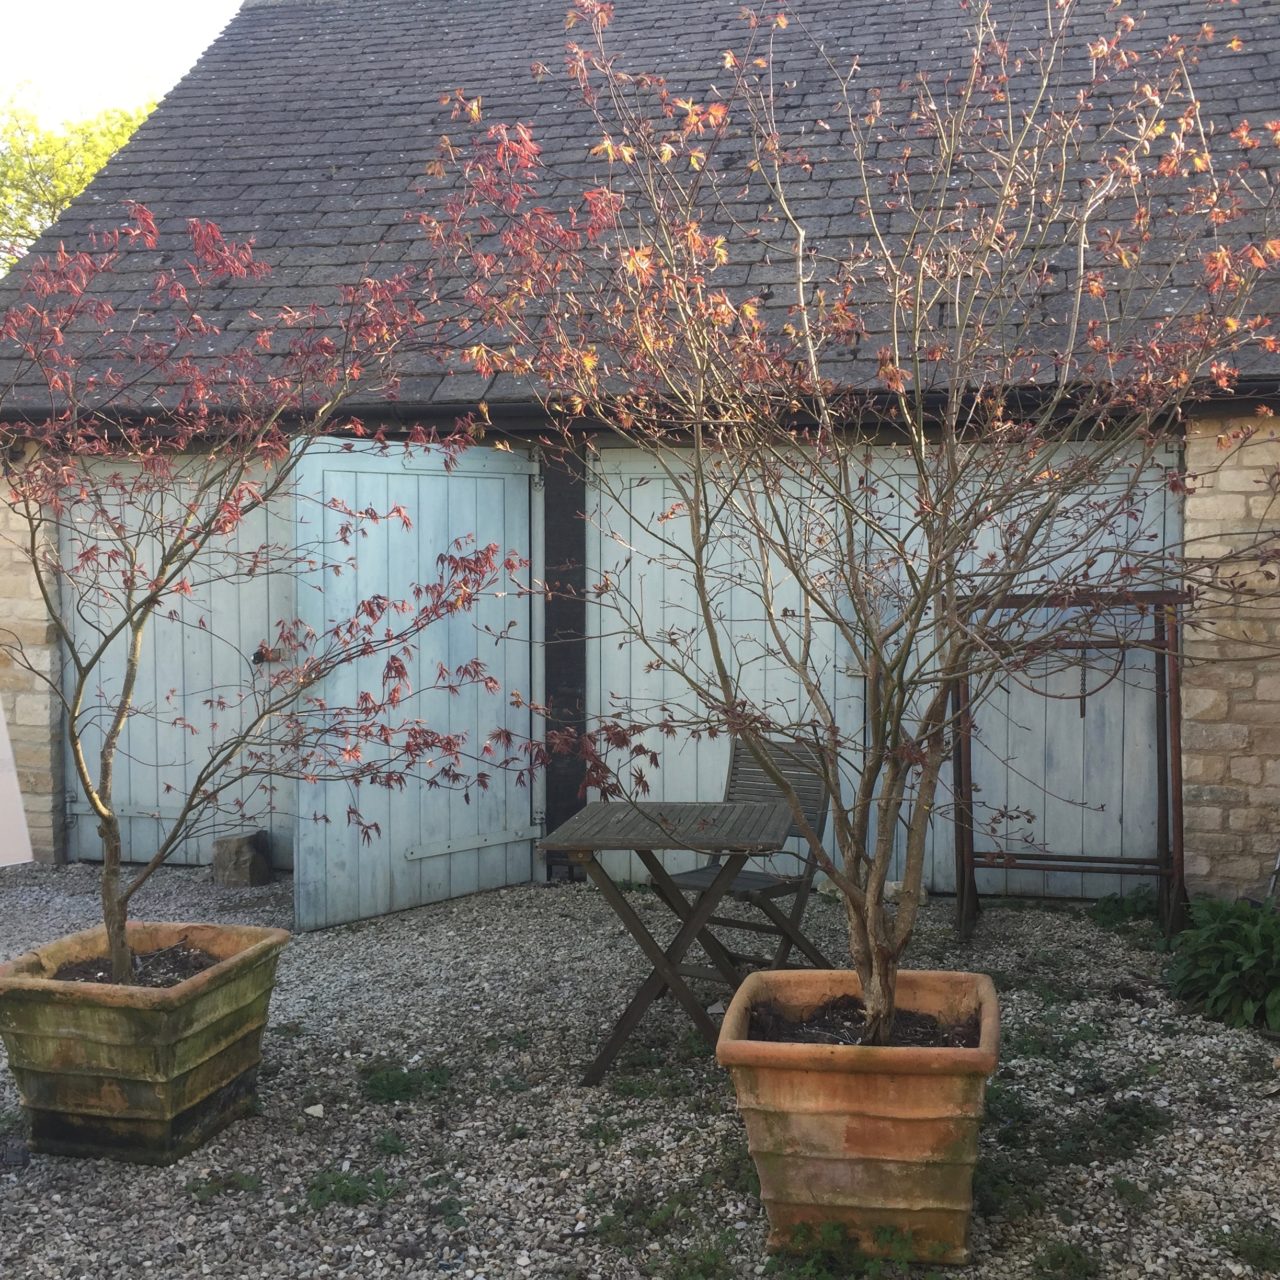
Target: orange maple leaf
pixel 639 263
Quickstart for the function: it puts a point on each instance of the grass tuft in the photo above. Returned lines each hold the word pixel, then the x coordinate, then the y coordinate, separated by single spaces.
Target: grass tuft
pixel 222 1184
pixel 332 1186
pixel 1064 1261
pixel 1258 1246
pixel 389 1083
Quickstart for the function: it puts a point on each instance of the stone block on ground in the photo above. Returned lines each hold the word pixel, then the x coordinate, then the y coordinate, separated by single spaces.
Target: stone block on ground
pixel 242 861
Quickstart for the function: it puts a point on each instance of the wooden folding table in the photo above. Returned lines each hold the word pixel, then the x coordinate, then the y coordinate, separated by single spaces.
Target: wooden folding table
pixel 734 831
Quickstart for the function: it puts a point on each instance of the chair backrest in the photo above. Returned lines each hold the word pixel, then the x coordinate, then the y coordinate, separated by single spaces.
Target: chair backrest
pixel 798 764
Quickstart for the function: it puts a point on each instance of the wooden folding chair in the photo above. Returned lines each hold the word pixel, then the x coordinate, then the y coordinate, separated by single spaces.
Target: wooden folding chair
pixel 763 890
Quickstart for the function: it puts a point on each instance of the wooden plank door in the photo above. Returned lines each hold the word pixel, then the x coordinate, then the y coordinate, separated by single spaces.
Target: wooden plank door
pixel 1054 772
pixel 196 678
pixel 636 535
pixel 1044 776
pixel 434 844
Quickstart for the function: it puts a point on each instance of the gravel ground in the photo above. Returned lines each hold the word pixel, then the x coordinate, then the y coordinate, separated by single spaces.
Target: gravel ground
pixel 1124 1138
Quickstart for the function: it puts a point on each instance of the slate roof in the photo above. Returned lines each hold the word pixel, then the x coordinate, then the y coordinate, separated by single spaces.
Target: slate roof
pixel 307 124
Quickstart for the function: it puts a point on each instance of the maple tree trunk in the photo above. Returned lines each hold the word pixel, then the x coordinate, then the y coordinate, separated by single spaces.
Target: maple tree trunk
pixel 114 910
pixel 877 967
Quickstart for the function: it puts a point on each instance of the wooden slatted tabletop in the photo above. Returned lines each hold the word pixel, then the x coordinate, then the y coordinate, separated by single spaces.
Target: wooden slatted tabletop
pixel 727 827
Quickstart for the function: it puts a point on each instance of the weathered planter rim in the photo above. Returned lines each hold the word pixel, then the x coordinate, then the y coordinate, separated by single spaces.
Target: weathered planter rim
pixel 735 1049
pixel 16 975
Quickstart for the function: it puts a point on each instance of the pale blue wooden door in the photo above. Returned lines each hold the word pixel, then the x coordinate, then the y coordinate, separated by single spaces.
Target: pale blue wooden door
pixel 433 844
pixel 1064 752
pixel 646 639
pixel 1088 784
pixel 196 684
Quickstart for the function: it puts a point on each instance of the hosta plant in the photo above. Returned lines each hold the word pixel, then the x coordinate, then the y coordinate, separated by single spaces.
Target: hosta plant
pixel 1228 963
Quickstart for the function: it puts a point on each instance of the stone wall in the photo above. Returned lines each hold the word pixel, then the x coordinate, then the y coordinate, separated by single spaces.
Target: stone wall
pixel 1231 679
pixel 31 712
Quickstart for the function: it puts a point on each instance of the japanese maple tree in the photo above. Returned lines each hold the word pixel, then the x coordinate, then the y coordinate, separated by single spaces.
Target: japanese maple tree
pixel 149 456
pixel 903 433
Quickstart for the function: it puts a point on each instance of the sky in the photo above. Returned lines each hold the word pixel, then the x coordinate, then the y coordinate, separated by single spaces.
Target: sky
pixel 68 59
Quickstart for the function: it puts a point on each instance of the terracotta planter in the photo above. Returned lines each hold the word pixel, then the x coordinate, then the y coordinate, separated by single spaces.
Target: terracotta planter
pixel 135 1073
pixel 880 1142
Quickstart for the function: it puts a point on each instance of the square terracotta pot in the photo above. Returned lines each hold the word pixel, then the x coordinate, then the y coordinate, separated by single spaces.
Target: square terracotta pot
pixel 136 1073
pixel 880 1142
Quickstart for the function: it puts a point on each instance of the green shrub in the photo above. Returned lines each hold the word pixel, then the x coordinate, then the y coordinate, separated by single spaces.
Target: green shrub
pixel 1227 963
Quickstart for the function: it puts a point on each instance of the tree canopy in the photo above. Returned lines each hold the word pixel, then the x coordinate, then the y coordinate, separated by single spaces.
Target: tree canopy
pixel 42 170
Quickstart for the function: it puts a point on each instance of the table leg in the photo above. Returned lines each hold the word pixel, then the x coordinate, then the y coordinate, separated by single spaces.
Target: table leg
pixel 717 952
pixel 664 972
pixel 791 932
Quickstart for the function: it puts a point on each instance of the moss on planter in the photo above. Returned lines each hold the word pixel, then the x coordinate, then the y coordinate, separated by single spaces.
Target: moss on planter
pixel 133 1073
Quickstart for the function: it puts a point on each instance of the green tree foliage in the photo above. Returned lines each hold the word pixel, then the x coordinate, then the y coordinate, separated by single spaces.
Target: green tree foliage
pixel 42 170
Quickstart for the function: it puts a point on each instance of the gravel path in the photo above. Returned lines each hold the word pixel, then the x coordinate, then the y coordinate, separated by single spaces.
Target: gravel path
pixel 1124 1138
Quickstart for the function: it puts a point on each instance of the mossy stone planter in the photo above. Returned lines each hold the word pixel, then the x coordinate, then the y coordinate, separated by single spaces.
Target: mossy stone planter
pixel 878 1142
pixel 136 1073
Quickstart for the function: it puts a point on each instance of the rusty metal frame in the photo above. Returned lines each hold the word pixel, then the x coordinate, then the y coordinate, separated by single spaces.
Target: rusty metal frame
pixel 1167 864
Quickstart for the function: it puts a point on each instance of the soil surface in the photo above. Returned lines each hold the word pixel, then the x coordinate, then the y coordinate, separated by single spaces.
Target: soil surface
pixel 843 1021
pixel 165 967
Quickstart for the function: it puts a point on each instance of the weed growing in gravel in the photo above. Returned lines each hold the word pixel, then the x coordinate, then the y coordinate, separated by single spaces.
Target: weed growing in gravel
pixel 1122 1127
pixel 448 1210
pixel 1130 1193
pixel 691 1047
pixel 661 1082
pixel 1046 975
pixel 1007 1111
pixel 602 1132
pixel 637 1218
pixel 287 1030
pixel 631 1220
pixel 829 1254
pixel 1049 1037
pixel 1135 917
pixel 708 1260
pixel 1257 1065
pixel 1063 1261
pixel 332 1186
pixel 607 1126
pixel 733 1171
pixel 1259 1247
pixel 389 1083
pixel 1008 1186
pixel 1116 911
pixel 221 1184
pixel 1049 906
pixel 1007 1181
pixel 390 1143
pixel 444 1206
pixel 1045 987
pixel 10 1122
